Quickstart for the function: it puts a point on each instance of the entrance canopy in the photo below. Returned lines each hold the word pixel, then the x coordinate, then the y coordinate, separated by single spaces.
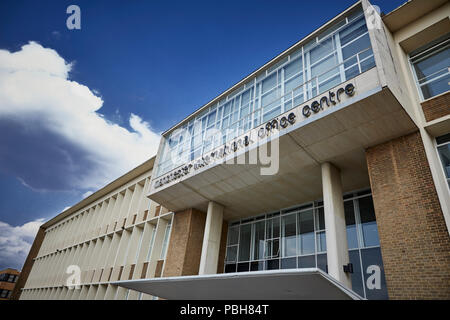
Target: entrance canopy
pixel 308 284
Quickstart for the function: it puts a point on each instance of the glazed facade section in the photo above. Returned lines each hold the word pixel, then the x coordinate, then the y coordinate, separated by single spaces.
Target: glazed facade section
pixel 295 238
pixel 338 54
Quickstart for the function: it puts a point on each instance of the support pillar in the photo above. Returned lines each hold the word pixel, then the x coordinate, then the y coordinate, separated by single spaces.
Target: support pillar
pixel 211 239
pixel 335 228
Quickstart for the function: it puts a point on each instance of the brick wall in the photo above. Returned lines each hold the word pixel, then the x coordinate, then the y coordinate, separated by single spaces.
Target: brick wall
pixel 185 245
pixel 437 107
pixel 414 240
pixel 34 250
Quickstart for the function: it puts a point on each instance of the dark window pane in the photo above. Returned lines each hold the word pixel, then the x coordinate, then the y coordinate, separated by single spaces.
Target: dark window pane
pixel 373 271
pixel 230 267
pixel 357 281
pixel 242 267
pixel 307 261
pixel 369 225
pixel 352 238
pixel 444 154
pixel 233 235
pixel 306 222
pixel 272 248
pixel 321 222
pixel 273 228
pixel 258 243
pixel 443 139
pixel 273 264
pixel 289 236
pixel 244 242
pixel 322 262
pixel 289 263
pixel 257 266
pixel 321 241
pixel 231 254
pixel 306 229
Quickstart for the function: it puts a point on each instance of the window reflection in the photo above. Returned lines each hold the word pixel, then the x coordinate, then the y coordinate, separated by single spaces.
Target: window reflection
pixel 306 232
pixel 368 223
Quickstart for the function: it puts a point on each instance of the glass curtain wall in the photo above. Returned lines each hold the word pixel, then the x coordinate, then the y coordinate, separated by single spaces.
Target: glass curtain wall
pixel 340 53
pixel 295 238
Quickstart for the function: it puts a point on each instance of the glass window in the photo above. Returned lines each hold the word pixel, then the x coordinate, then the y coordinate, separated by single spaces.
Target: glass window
pixel 356 46
pixel 289 236
pixel 321 241
pixel 289 263
pixel 292 68
pixel 320 221
pixel 273 264
pixel 352 31
pixel 231 254
pixel 312 69
pixel 307 261
pixel 233 235
pixel 230 267
pixel 258 245
pixel 244 242
pixel 269 83
pixel 368 223
pixel 165 241
pixel 295 238
pixel 306 232
pixel 322 262
pixel 323 49
pixel 257 266
pixel 352 237
pixel 444 154
pixel 432 69
pixel 243 267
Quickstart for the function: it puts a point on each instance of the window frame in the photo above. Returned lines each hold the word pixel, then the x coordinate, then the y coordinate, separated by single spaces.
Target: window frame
pixel 422 55
pixel 437 145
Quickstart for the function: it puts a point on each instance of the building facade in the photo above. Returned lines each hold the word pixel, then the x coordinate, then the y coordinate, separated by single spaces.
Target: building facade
pixel 323 174
pixel 8 279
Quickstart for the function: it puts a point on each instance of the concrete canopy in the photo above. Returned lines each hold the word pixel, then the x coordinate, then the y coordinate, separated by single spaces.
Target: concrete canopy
pixel 298 284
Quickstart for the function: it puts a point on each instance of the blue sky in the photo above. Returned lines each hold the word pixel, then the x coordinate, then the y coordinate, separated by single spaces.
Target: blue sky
pixel 78 108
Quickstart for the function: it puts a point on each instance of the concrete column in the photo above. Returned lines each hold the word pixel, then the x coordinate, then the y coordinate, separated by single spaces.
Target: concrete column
pixel 211 239
pixel 335 229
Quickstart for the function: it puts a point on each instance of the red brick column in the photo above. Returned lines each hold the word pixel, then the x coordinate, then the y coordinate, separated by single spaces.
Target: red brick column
pixel 185 245
pixel 414 240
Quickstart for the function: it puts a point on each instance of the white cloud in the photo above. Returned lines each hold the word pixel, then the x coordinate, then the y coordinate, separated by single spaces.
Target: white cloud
pixel 15 242
pixel 36 92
